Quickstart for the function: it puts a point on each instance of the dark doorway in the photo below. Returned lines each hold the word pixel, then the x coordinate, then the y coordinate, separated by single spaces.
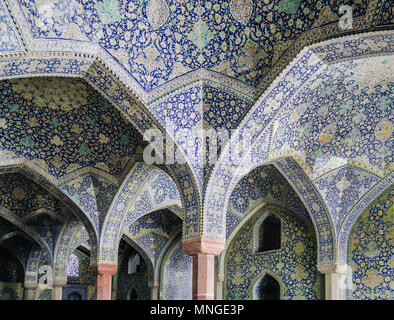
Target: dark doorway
pixel 133 294
pixel 74 296
pixel 269 288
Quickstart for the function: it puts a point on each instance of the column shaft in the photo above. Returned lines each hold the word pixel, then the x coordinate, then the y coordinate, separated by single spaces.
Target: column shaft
pixel 104 273
pixel 154 287
pixel 57 288
pixel 203 251
pixel 30 290
pixel 203 276
pixel 219 287
pixel 335 280
pixel 103 287
pixel 30 294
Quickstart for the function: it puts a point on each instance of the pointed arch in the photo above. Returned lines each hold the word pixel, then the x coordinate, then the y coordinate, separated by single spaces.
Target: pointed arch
pixel 234 233
pixel 382 187
pixel 256 282
pixel 143 254
pixel 72 236
pixel 252 141
pixel 64 246
pixel 12 218
pixel 48 183
pixel 137 196
pixel 316 207
pixel 132 293
pixel 294 174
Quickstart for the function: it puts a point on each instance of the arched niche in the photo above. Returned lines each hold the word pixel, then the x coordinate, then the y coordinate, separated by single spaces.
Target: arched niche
pixel 268 287
pixel 293 265
pixel 132 294
pixel 124 281
pixel 267 233
pixel 133 263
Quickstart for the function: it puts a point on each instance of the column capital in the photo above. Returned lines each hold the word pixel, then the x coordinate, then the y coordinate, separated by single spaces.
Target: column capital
pixel 103 269
pixel 333 268
pixel 59 282
pixel 203 245
pixel 30 285
pixel 153 284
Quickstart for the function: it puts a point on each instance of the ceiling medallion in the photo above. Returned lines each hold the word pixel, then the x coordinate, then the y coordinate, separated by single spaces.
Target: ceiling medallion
pixel 241 10
pixel 157 12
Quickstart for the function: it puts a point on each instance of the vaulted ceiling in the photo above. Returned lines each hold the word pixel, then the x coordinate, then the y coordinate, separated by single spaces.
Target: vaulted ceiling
pixel 156 41
pixel 63 124
pixel 190 64
pixel 30 212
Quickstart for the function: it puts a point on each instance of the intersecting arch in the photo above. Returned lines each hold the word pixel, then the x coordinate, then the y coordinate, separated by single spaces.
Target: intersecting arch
pixel 257 130
pixel 33 263
pixel 64 246
pixel 12 218
pixel 143 254
pixel 48 184
pixel 101 77
pixel 381 188
pixel 133 200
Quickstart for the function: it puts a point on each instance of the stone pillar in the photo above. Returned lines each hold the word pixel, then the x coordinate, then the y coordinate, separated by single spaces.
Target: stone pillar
pixel 104 273
pixel 113 294
pixel 30 290
pixel 219 287
pixel 154 286
pixel 203 251
pixel 337 280
pixel 57 288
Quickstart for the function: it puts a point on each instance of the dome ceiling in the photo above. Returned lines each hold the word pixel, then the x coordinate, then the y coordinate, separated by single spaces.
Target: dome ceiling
pixel 159 40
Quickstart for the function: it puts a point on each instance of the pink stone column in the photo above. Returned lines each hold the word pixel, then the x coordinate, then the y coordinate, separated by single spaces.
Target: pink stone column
pixel 104 273
pixel 203 250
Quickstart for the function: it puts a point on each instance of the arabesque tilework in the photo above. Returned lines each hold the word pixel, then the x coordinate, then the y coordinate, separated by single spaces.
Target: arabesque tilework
pixel 371 251
pixel 294 263
pixel 82 80
pixel 176 274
